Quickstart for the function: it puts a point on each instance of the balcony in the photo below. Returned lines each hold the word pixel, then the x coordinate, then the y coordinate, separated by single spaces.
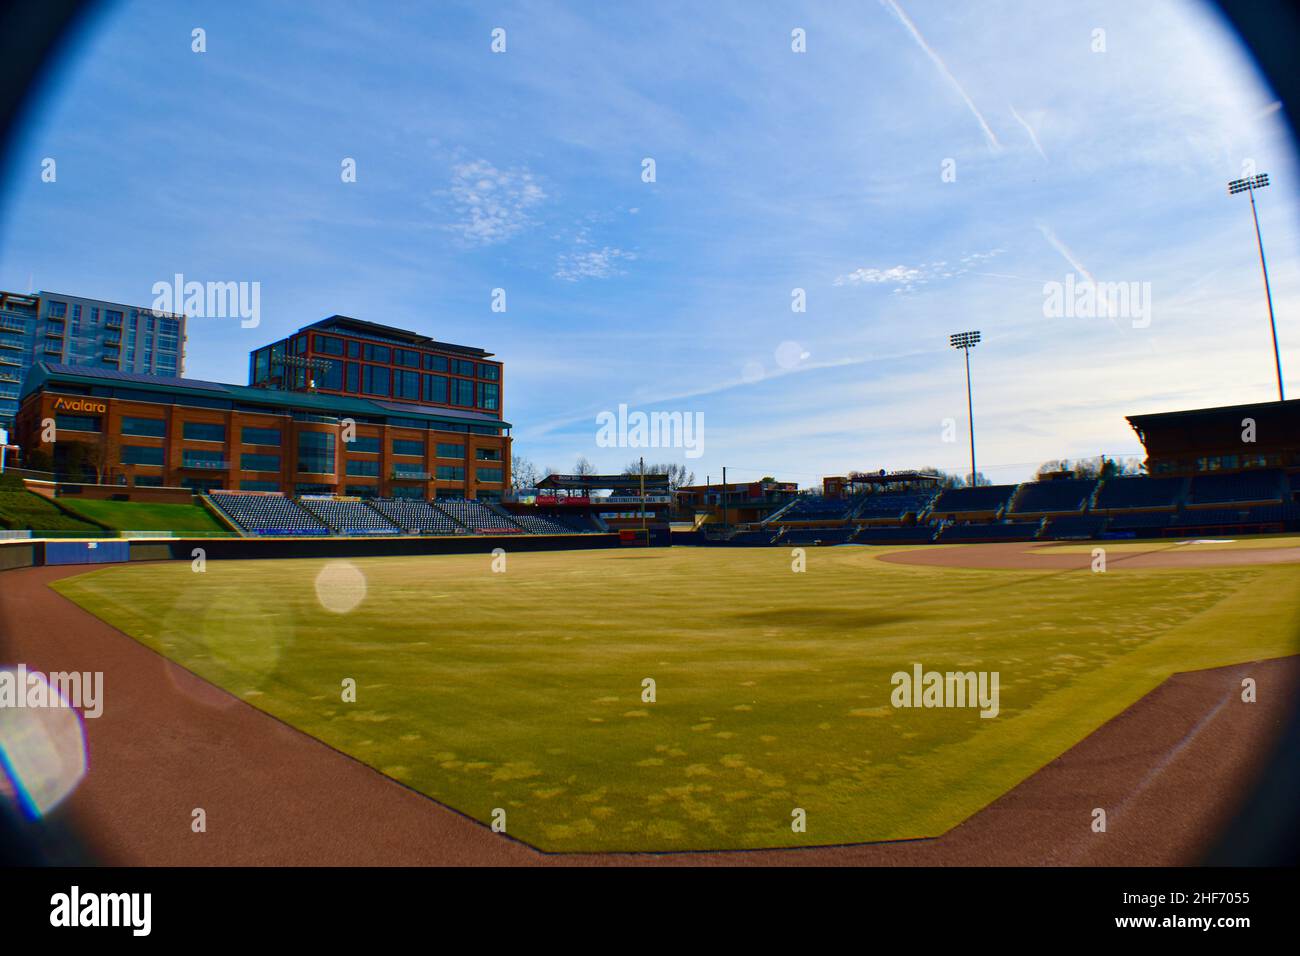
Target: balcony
pixel 403 474
pixel 198 464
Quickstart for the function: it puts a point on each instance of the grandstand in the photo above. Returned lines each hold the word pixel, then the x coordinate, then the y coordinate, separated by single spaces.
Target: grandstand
pixel 892 506
pixel 1140 493
pixel 919 534
pixel 478 517
pixel 822 536
pixel 991 531
pixel 348 516
pixel 416 516
pixel 1065 527
pixel 542 524
pixel 985 500
pixel 1056 496
pixel 1255 487
pixel 268 513
pixel 819 508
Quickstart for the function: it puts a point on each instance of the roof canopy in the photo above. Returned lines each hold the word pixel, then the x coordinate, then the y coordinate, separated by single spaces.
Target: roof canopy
pixel 591 482
pixel 177 390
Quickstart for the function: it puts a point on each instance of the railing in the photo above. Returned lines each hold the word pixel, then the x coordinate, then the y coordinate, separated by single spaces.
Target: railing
pixel 409 475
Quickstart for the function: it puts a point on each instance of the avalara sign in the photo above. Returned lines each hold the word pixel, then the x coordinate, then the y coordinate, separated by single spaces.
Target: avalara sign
pixel 78 405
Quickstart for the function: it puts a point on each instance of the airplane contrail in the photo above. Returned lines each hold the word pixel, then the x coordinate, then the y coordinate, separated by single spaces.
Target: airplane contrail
pixel 903 18
pixel 1033 137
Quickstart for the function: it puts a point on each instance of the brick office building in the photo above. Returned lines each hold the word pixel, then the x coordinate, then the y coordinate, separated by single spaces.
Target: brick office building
pixel 333 409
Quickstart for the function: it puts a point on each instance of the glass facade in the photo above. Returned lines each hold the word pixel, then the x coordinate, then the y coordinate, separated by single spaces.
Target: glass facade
pixel 316 453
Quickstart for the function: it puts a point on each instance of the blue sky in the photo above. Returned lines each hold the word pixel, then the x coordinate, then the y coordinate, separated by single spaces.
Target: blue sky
pixel 775 170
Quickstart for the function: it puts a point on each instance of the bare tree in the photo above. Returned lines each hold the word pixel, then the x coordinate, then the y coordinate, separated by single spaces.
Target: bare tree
pixel 523 473
pixel 582 467
pixel 678 476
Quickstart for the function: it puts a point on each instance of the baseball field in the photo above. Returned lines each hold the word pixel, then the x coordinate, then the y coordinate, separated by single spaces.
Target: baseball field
pixel 519 684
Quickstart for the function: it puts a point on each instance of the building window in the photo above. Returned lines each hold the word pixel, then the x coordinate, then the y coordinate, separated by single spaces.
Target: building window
pixel 144 427
pixel 488 454
pixel 489 394
pixel 354 378
pixel 203 431
pixel 451 473
pixel 202 458
pixel 406 385
pixel 408 491
pixel 254 462
pixel 259 486
pixel 464 367
pixel 76 423
pixel 316 453
pixel 363 468
pixel 435 363
pixel 450 451
pixel 329 345
pixel 331 378
pixel 142 455
pixel 58 309
pixel 402 446
pixel 362 491
pixel 376 380
pixel 379 353
pixel 491 474
pixel 490 372
pixel 462 392
pixel 260 436
pixel 368 444
pixel 148 481
pixel 435 389
pixel 407 357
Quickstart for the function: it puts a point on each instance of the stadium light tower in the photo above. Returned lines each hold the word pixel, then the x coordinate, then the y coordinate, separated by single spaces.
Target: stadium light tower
pixel 1249 185
pixel 967 341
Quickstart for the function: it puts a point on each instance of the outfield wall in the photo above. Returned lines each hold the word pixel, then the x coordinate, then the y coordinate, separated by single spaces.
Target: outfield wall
pixel 24 553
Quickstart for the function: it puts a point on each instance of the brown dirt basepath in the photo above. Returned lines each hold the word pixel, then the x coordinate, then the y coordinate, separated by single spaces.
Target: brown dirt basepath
pixel 1168 771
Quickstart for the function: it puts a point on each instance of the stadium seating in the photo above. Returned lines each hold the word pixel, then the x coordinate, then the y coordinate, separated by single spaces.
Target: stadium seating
pixel 1022 531
pixel 1063 527
pixel 1139 520
pixel 985 498
pixel 1121 493
pixel 416 517
pixel 1254 486
pixel 349 517
pixel 267 514
pixel 920 534
pixel 756 538
pixel 798 536
pixel 540 524
pixel 477 517
pixel 892 505
pixel 819 508
pixel 1045 497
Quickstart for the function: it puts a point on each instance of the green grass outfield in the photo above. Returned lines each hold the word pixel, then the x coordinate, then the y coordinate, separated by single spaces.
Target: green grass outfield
pixel 522 690
pixel 144 515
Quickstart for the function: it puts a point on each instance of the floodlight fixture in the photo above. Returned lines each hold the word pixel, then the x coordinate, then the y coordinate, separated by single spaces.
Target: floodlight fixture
pixel 967 341
pixel 1248 185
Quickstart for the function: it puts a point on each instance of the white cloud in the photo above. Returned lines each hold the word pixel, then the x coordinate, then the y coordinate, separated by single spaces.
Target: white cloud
pixel 597 264
pixel 492 204
pixel 909 278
